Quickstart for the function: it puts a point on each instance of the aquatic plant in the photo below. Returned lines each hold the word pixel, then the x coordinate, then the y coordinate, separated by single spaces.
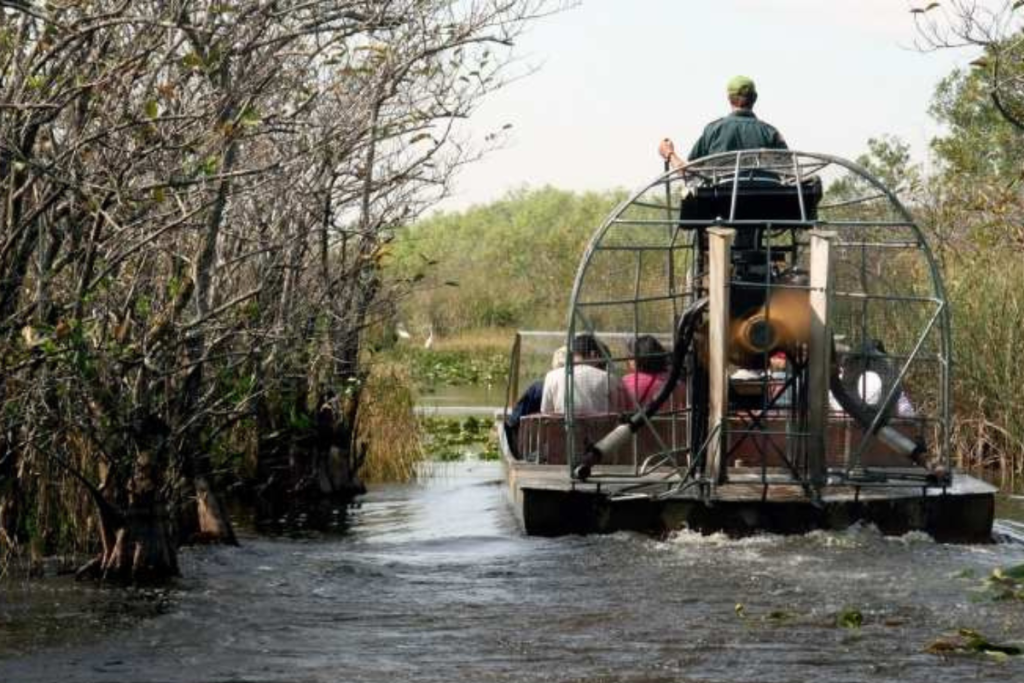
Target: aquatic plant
pixel 387 432
pixel 450 439
pixel 1004 584
pixel 970 642
pixel 430 368
pixel 849 617
pixel 775 616
pixel 987 292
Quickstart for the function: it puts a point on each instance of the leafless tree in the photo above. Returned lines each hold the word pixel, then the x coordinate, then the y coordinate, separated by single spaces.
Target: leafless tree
pixel 197 196
pixel 995 26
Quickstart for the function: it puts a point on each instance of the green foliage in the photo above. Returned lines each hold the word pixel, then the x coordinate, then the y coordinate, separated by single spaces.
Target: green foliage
pixel 974 212
pixel 1004 584
pixel 299 420
pixel 970 642
pixel 433 368
pixel 850 618
pixel 774 617
pixel 449 439
pixel 979 143
pixel 888 159
pixel 508 263
pixel 987 294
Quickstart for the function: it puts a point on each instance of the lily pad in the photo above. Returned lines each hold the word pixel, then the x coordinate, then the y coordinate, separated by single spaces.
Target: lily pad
pixel 849 618
pixel 969 641
pixel 1004 584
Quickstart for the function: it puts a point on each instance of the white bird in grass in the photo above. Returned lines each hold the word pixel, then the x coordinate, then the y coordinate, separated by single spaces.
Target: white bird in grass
pixel 430 338
pixel 402 332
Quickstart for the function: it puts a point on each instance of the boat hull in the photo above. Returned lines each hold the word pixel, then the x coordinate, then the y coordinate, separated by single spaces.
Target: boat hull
pixel 547 502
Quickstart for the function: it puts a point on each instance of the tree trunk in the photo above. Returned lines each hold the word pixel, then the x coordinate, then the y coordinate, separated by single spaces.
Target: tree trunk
pixel 137 545
pixel 214 523
pixel 334 459
pixel 201 514
pixel 9 496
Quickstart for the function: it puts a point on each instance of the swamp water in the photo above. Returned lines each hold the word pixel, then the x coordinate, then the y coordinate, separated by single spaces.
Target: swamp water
pixel 434 582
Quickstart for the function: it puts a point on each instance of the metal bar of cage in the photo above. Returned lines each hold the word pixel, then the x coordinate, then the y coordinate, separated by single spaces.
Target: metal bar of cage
pixel 735 186
pixel 881 245
pixel 617 247
pixel 800 165
pixel 799 190
pixel 652 205
pixel 512 388
pixel 748 222
pixel 623 302
pixel 891 394
pixel 851 202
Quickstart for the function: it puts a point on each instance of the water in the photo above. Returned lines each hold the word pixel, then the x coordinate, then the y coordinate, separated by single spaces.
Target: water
pixel 462 400
pixel 435 583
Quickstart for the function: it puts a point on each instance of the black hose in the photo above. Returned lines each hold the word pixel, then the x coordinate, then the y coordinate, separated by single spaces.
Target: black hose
pixel 865 415
pixel 685 332
pixel 613 440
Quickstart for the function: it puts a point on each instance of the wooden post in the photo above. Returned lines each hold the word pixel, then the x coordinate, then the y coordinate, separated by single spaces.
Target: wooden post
pixel 720 268
pixel 819 356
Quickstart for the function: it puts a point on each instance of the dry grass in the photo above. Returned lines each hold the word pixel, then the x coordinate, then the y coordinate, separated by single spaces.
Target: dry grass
pixel 388 428
pixel 988 375
pixel 483 341
pixel 988 449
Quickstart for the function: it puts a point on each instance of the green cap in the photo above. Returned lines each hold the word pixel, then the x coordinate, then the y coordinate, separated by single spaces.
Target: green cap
pixel 741 85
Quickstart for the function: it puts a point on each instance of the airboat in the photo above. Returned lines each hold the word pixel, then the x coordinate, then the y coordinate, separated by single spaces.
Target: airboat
pixel 807 345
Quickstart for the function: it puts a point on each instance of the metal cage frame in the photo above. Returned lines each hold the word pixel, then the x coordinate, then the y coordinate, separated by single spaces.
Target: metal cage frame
pixel 862 218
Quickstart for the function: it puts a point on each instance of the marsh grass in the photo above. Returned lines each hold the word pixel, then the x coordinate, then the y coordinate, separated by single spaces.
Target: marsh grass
pixel 432 368
pixel 483 341
pixel 387 428
pixel 987 295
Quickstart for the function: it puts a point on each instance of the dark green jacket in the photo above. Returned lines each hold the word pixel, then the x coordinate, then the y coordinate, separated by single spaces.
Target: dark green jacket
pixel 739 130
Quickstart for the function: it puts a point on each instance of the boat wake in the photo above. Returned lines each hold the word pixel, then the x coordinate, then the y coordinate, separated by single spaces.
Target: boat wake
pixel 1008 531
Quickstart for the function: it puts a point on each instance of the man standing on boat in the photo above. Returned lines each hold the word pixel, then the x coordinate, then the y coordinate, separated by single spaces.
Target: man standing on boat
pixel 740 130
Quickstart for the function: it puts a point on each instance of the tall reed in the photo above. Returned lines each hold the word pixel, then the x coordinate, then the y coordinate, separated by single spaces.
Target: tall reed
pixel 387 427
pixel 987 295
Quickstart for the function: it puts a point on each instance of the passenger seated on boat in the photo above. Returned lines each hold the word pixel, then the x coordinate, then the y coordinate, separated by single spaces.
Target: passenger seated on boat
pixel 595 390
pixel 872 372
pixel 648 371
pixel 778 365
pixel 529 403
pixel 869 388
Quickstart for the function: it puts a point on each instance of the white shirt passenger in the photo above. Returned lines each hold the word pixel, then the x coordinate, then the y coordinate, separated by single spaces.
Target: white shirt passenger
pixel 594 391
pixel 869 387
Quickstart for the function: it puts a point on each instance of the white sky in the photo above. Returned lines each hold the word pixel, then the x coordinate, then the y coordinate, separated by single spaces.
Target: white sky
pixel 618 75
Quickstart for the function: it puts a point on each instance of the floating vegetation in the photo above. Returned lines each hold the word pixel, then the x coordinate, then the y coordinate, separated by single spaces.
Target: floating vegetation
pixel 451 438
pixel 431 368
pixel 776 616
pixel 969 642
pixel 849 617
pixel 779 615
pixel 1004 584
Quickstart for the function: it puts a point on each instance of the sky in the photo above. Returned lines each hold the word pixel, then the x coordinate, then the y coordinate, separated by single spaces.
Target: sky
pixel 615 76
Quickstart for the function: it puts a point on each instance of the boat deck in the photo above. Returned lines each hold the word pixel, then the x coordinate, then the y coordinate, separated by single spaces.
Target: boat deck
pixel 548 502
